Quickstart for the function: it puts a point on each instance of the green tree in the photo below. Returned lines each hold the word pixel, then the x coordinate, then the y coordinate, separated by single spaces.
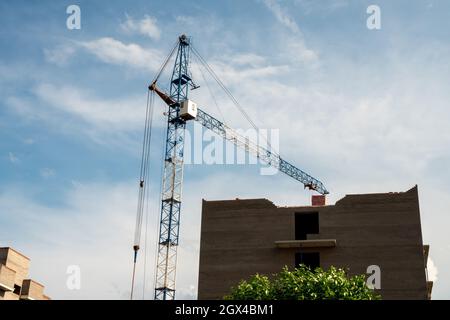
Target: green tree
pixel 304 284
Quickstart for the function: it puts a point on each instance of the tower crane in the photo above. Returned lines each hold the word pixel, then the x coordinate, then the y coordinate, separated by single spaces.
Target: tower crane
pixel 180 111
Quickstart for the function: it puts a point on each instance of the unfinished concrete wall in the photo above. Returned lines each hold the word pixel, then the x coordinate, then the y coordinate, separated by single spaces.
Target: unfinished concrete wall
pixel 16 261
pixel 14 285
pixel 238 240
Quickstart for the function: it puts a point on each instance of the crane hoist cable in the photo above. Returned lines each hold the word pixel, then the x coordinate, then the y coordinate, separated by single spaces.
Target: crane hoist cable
pixel 210 91
pixel 144 165
pixel 228 92
pixel 142 180
pixel 166 61
pixel 222 85
pixel 147 197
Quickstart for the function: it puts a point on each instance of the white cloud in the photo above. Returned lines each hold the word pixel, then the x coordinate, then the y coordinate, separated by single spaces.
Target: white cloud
pixel 322 7
pixel 146 26
pixel 297 51
pixel 293 44
pixel 79 112
pixel 13 158
pixel 113 51
pixel 108 50
pixel 60 55
pixel 247 59
pixel 432 270
pixel 281 15
pixel 110 114
pixel 233 74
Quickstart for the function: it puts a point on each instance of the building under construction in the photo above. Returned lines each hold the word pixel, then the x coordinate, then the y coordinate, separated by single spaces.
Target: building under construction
pixel 14 281
pixel 242 237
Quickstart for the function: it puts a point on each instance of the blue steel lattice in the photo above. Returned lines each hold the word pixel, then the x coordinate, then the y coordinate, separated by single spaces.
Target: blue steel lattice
pixel 172 177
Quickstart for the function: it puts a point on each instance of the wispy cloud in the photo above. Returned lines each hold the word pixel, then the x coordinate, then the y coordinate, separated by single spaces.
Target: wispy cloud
pixel 324 6
pixel 60 55
pixel 110 50
pixel 247 59
pixel 234 73
pixel 76 111
pixel 282 15
pixel 146 26
pixel 103 113
pixel 295 43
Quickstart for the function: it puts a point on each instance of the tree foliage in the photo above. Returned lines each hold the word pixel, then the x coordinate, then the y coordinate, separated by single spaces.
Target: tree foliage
pixel 304 284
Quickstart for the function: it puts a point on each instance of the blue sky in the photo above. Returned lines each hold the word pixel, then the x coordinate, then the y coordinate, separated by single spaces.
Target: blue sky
pixel 363 110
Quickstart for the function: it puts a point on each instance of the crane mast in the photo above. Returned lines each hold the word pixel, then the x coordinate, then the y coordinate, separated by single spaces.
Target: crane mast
pixel 172 179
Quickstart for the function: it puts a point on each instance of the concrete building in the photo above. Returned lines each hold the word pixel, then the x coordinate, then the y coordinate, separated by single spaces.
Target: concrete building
pixel 242 237
pixel 14 282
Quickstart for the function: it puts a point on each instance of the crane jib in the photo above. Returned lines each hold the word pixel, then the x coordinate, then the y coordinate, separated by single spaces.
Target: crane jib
pixel 268 157
pixel 265 155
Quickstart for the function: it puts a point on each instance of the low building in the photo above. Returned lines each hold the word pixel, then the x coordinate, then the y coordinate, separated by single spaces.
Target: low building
pixel 14 282
pixel 242 237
